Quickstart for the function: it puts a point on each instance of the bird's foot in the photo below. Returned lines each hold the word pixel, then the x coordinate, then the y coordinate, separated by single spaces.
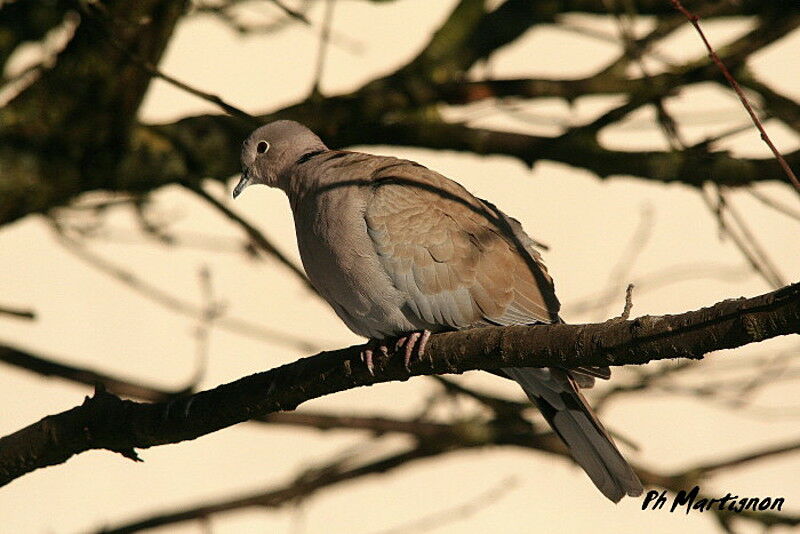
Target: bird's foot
pixel 412 344
pixel 368 352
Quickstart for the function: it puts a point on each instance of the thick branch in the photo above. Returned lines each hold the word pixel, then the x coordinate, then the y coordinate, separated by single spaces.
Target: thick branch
pixel 321 421
pixel 69 130
pixel 107 422
pixel 27 21
pixel 692 167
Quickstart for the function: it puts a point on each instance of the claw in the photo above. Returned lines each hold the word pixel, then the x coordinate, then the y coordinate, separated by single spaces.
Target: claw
pixel 368 353
pixel 414 342
pixel 411 341
pixel 423 342
pixel 366 357
pixel 411 344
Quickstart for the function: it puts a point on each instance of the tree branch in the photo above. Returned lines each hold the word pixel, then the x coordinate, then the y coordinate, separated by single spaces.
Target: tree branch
pixel 106 422
pixel 19 313
pixel 308 419
pixel 171 302
pixel 691 167
pixel 397 108
pixel 254 235
pixel 303 486
pixel 742 97
pixel 430 444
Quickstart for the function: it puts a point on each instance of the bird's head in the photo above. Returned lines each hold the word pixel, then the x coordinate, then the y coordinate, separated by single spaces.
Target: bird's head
pixel 269 153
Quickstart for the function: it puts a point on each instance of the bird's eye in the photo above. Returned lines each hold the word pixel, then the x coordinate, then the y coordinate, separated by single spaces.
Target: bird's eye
pixel 262 147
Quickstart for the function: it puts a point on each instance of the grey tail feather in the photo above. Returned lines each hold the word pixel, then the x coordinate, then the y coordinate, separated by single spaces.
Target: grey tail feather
pixel 555 393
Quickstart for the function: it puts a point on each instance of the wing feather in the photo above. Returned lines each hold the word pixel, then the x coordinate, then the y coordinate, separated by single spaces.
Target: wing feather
pixel 459 260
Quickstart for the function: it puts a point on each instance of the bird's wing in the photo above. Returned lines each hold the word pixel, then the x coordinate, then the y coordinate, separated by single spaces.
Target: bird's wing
pixel 459 261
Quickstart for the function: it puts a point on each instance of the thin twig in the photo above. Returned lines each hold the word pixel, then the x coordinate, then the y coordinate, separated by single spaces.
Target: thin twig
pixel 151 228
pixel 184 239
pixel 777 278
pixel 744 459
pixel 212 309
pixel 19 313
pixel 774 204
pixel 497 404
pixel 625 264
pixel 238 326
pixel 324 39
pixel 301 487
pixel 659 279
pixel 457 513
pixel 716 209
pixel 694 19
pixel 291 12
pixel 626 311
pixel 254 234
pixel 646 378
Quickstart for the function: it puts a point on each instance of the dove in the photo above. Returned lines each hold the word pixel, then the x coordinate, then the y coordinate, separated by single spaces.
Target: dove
pixel 400 251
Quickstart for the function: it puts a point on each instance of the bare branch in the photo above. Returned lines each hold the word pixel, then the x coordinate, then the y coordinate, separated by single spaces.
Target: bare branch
pixel 324 40
pixel 173 303
pixel 433 444
pixel 19 313
pixel 106 422
pixel 377 425
pixel 303 486
pixel 255 235
pixel 774 204
pixel 746 459
pixel 456 513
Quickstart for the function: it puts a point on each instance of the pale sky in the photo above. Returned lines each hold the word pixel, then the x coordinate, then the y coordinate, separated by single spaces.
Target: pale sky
pixel 86 318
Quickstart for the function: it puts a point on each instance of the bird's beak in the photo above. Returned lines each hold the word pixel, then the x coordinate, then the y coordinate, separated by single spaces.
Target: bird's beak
pixel 244 182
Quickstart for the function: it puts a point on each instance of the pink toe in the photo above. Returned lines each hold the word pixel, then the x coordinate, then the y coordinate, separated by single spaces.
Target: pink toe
pixel 423 342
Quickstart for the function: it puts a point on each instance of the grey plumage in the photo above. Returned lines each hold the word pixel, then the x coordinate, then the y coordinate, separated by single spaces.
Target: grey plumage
pixel 397 248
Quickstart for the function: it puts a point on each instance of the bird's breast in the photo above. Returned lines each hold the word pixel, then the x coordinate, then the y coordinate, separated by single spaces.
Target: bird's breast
pixel 341 262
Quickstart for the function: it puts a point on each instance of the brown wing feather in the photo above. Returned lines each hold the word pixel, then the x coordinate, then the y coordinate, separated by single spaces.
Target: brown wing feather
pixel 461 261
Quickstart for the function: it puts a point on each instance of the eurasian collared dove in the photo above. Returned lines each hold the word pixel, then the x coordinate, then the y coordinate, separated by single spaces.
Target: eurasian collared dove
pixel 400 251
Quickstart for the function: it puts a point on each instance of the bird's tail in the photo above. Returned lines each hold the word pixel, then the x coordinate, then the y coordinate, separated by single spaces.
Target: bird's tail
pixel 556 394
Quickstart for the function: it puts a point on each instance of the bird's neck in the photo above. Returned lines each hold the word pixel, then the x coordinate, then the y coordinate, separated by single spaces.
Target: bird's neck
pixel 297 180
pixel 298 184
